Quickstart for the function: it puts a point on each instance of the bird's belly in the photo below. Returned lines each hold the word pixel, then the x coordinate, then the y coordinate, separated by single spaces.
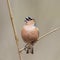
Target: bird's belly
pixel 29 34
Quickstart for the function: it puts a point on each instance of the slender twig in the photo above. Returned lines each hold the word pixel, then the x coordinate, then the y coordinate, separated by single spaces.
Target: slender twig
pixel 49 33
pixel 15 35
pixel 43 36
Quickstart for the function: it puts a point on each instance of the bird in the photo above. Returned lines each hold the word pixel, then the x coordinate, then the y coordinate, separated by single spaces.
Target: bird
pixel 30 34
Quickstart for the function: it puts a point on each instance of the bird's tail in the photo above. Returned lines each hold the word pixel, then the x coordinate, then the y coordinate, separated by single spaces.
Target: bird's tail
pixel 29 49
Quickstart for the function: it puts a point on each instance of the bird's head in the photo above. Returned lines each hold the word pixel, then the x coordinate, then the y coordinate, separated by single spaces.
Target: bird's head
pixel 29 21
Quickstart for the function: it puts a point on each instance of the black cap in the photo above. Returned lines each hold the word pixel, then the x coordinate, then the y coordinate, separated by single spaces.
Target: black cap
pixel 28 18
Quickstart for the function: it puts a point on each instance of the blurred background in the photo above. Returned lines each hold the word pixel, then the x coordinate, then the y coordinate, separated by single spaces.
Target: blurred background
pixel 47 16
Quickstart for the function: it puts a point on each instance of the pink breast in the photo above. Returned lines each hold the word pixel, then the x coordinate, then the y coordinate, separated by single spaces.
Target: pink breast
pixel 30 34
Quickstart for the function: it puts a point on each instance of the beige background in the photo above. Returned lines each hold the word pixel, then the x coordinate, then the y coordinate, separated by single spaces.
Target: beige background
pixel 47 16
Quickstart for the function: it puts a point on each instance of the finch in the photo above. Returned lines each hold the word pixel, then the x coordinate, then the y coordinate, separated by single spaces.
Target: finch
pixel 30 34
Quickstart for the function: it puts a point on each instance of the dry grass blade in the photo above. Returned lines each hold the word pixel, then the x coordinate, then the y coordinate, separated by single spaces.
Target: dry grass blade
pixel 15 35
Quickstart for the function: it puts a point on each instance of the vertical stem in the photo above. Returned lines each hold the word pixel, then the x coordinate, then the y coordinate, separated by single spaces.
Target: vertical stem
pixel 15 35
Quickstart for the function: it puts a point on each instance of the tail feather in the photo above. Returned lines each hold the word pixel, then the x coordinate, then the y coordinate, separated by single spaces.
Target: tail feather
pixel 29 49
pixel 32 51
